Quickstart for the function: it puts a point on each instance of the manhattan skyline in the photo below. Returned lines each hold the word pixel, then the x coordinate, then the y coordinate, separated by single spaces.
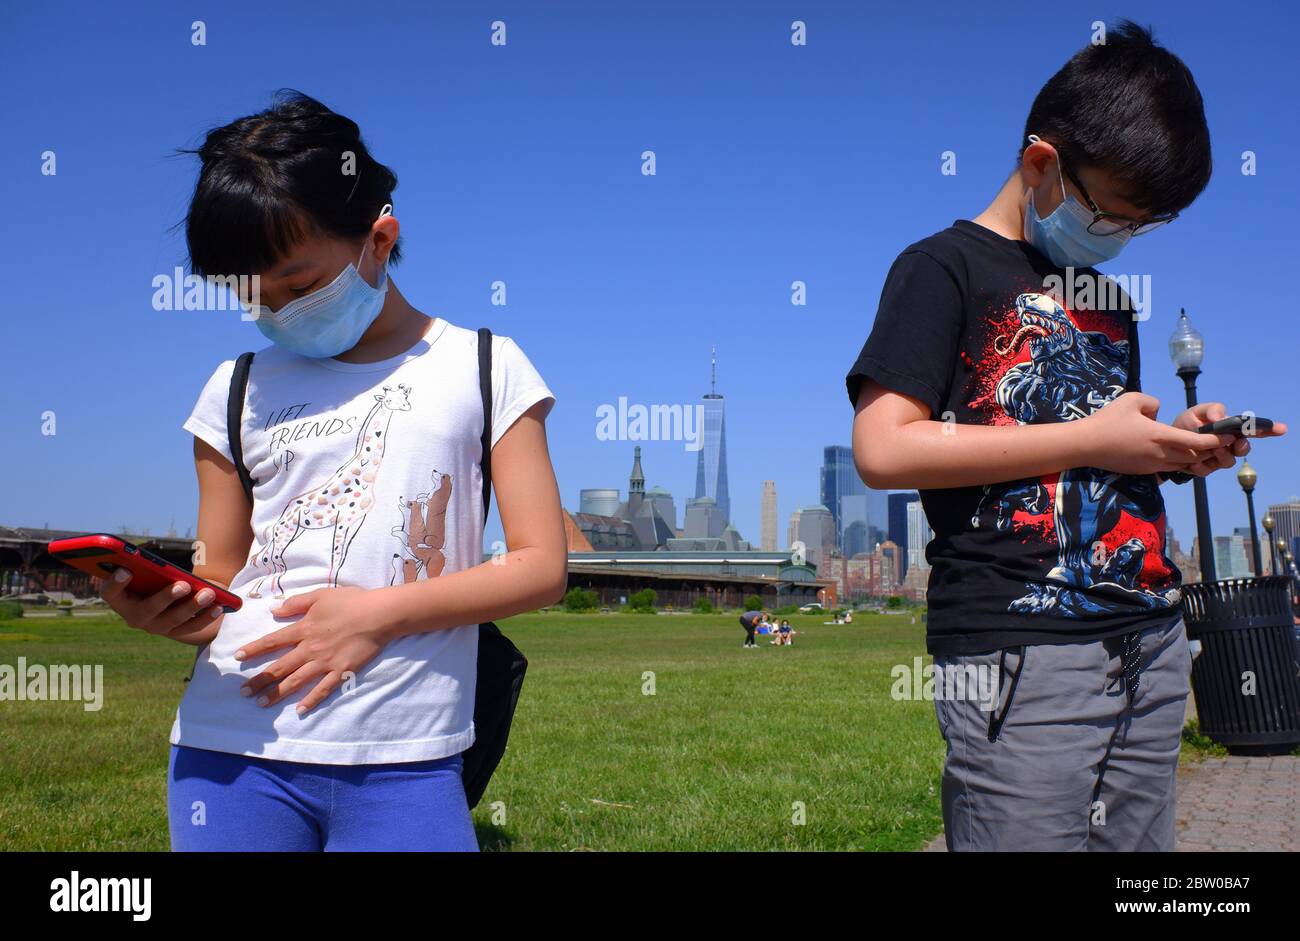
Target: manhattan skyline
pixel 618 282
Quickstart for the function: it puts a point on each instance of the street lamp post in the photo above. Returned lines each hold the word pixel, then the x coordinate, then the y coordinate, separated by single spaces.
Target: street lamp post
pixel 1186 349
pixel 1247 477
pixel 1268 534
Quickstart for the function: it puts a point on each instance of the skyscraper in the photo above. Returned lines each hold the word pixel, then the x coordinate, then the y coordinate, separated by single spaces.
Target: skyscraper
pixel 767 540
pixel 703 519
pixel 1230 557
pixel 1248 547
pixel 1286 525
pixel 898 524
pixel 711 468
pixel 919 535
pixel 839 479
pixel 864 521
pixel 816 530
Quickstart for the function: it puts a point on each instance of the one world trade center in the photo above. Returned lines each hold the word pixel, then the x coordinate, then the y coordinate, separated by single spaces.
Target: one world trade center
pixel 711 469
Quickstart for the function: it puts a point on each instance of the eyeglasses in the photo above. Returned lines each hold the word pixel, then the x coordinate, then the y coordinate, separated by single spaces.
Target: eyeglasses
pixel 1112 223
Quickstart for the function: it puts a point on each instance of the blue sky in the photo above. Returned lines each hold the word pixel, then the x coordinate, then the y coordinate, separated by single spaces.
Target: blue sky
pixel 522 163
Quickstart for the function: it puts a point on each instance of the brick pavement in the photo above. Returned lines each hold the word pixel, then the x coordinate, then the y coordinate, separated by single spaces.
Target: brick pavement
pixel 1232 804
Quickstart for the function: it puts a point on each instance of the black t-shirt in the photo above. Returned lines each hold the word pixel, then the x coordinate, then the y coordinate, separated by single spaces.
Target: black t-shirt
pixel 967 326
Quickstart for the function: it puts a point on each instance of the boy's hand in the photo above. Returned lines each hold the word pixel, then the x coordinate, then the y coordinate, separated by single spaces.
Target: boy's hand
pixel 175 611
pixel 342 629
pixel 1125 437
pixel 1207 412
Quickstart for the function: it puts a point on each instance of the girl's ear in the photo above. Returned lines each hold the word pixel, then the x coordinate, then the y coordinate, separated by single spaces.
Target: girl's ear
pixel 385 232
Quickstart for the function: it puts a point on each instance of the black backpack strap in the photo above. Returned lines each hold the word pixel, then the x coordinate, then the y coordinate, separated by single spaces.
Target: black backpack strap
pixel 235 420
pixel 485 390
pixel 501 665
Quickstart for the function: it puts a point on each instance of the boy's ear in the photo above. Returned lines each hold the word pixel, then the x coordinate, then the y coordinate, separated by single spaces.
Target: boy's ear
pixel 1036 162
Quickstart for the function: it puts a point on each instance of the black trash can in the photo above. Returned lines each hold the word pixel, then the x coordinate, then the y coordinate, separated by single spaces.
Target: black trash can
pixel 1245 625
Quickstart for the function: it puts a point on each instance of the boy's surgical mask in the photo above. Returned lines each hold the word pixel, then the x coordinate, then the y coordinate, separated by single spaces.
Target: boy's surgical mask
pixel 1064 237
pixel 329 320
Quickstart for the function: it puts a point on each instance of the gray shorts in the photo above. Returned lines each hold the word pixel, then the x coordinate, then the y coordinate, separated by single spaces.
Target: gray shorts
pixel 1073 764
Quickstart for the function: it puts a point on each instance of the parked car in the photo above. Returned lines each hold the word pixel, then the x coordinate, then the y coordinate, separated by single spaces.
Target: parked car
pixel 814 607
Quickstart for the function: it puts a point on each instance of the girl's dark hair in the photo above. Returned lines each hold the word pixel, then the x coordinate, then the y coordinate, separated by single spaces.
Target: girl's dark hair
pixel 271 179
pixel 1130 108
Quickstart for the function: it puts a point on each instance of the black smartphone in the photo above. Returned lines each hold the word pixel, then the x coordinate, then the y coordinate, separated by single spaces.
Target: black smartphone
pixel 1234 424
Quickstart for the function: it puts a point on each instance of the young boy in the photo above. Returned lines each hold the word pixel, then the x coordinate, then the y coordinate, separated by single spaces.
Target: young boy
pixel 983 388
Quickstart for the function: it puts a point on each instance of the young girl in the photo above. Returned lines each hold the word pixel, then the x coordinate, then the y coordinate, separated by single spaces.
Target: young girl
pixel 331 710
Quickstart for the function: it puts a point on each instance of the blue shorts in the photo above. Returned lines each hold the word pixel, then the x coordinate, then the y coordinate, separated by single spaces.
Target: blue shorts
pixel 220 802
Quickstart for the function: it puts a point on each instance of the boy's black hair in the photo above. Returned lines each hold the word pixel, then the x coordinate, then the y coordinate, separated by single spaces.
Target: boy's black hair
pixel 271 179
pixel 1129 108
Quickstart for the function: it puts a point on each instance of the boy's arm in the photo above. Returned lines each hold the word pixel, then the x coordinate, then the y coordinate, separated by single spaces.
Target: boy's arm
pixel 897 445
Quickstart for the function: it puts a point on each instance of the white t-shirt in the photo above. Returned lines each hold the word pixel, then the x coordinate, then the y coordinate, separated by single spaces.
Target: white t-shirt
pixel 367 475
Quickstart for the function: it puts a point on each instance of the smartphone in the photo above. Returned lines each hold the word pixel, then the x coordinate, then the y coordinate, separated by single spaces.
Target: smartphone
pixel 101 555
pixel 1234 424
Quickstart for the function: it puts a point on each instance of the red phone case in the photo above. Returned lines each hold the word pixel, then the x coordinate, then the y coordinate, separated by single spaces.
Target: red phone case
pixel 100 554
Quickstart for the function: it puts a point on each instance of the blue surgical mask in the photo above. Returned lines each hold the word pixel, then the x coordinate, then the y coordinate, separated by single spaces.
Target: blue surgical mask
pixel 330 320
pixel 1064 237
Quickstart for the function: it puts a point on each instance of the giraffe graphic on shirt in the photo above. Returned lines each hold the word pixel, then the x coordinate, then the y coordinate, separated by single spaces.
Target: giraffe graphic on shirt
pixel 341 503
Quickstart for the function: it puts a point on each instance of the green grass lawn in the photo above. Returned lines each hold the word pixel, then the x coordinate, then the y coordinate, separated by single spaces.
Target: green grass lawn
pixel 724 754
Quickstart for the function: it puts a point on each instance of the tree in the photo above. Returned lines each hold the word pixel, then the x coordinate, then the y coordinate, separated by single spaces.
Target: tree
pixel 753 603
pixel 703 606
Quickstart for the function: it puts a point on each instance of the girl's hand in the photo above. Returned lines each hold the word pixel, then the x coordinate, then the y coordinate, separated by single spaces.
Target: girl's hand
pixel 174 611
pixel 342 629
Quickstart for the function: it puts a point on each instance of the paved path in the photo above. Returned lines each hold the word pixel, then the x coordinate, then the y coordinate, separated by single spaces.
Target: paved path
pixel 1239 804
pixel 1232 804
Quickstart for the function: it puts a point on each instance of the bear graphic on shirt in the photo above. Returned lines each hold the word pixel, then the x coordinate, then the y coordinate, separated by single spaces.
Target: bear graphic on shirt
pixel 422 533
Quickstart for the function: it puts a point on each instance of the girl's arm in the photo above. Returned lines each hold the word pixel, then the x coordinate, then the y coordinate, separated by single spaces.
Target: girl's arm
pixel 225 530
pixel 532 572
